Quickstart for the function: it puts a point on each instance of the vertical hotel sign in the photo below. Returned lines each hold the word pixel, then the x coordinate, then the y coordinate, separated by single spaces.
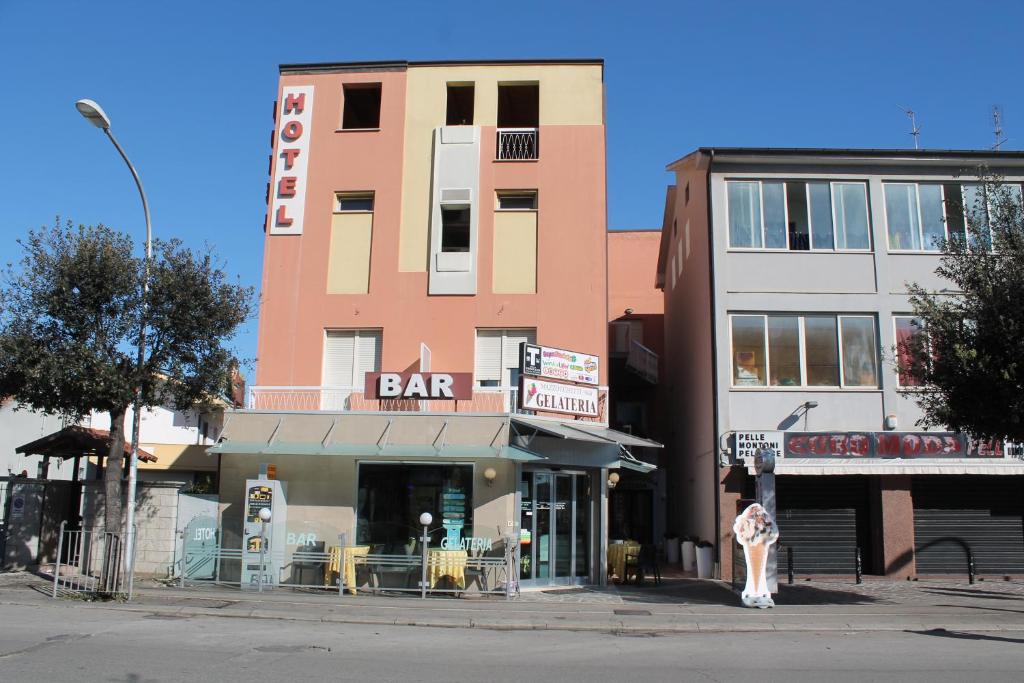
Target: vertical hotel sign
pixel 294 127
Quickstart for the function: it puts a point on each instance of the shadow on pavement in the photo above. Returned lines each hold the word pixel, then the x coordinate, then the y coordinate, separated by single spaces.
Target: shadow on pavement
pixel 971 593
pixel 963 635
pixel 814 595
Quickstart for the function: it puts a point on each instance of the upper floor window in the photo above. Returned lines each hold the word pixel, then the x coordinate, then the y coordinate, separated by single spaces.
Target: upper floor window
pixel 518 121
pixel 804 351
pixel 798 215
pixel 922 216
pixel 624 332
pixel 361 107
pixel 907 328
pixel 517 200
pixel 354 202
pixel 454 228
pixel 349 355
pixel 980 209
pixel 460 104
pixel 497 356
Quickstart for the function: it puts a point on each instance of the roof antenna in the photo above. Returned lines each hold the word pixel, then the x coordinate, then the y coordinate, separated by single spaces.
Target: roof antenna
pixel 997 127
pixel 915 129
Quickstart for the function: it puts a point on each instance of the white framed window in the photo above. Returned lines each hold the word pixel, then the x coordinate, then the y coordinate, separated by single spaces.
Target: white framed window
pixel 516 200
pixel 496 363
pixel 905 327
pixel 976 204
pixel 353 202
pixel 798 215
pixel 796 350
pixel 349 355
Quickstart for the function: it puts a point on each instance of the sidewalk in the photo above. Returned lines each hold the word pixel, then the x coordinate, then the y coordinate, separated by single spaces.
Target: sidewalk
pixel 677 606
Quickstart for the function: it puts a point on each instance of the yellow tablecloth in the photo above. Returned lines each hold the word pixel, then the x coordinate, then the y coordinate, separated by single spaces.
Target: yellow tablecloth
pixel 450 563
pixel 617 557
pixel 334 564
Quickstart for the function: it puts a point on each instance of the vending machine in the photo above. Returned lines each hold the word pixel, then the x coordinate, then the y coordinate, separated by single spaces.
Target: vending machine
pixel 270 494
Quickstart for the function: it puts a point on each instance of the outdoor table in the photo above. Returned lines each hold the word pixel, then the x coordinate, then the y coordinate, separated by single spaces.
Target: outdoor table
pixel 334 564
pixel 617 557
pixel 450 563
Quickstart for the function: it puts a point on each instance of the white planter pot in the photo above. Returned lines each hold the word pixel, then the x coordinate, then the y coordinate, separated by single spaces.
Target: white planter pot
pixel 705 562
pixel 672 550
pixel 689 553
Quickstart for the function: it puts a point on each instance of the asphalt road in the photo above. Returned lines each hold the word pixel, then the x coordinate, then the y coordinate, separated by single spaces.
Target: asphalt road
pixel 74 642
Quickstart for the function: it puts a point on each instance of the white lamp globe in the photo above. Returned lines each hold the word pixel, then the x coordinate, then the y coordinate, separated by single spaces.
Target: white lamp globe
pixel 264 514
pixel 426 518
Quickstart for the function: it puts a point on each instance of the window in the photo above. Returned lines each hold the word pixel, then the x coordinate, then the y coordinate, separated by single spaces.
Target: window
pixel 355 201
pixel 519 105
pixel 455 228
pixel 349 355
pixel 907 328
pixel 497 356
pixel 915 215
pixel 460 104
pixel 393 496
pixel 362 106
pixel 798 215
pixel 804 351
pixel 979 210
pixel 524 200
pixel 625 332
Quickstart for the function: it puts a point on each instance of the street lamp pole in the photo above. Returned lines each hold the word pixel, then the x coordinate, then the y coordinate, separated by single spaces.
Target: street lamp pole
pixel 97 117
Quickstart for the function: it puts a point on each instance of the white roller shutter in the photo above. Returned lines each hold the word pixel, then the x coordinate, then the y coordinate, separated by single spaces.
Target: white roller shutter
pixel 368 347
pixel 488 356
pixel 339 351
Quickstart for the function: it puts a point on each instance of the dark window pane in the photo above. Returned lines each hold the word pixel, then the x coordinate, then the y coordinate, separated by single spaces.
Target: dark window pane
pixel 519 106
pixel 748 351
pixel 784 350
pixel 455 229
pixel 355 203
pixel 525 200
pixel 799 225
pixel 362 106
pixel 460 105
pixel 822 351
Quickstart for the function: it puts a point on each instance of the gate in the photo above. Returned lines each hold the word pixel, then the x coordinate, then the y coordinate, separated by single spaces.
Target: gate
pixel 89 562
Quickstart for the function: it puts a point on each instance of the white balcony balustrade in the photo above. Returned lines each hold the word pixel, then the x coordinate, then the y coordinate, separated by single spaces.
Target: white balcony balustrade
pixel 518 144
pixel 351 399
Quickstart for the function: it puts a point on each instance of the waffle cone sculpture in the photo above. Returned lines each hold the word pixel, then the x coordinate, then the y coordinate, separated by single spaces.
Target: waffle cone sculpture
pixel 755 530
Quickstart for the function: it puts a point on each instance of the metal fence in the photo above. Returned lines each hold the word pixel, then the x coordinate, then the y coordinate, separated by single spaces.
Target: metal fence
pixel 355 569
pixel 517 144
pixel 91 562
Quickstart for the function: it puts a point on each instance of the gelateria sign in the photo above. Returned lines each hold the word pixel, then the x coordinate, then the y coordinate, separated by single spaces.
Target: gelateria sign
pixel 552 397
pixel 890 445
pixel 551 363
pixel 294 126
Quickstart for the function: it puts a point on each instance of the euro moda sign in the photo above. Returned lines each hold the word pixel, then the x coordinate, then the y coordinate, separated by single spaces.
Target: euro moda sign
pixel 551 363
pixel 889 445
pixel 294 127
pixel 554 397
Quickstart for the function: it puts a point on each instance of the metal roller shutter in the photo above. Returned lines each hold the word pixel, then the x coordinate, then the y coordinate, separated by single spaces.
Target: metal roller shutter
pixel 820 519
pixel 952 514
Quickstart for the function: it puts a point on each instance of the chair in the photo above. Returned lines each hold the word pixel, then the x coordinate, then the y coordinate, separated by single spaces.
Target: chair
pixel 632 561
pixel 476 569
pixel 647 560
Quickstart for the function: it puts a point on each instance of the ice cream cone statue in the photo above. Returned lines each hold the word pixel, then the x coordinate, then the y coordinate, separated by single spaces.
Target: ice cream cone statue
pixel 755 530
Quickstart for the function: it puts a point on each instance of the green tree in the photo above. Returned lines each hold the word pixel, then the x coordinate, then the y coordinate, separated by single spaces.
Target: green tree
pixel 70 315
pixel 968 353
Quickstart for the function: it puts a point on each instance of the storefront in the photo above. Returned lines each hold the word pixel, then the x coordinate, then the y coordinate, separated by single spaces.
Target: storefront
pixel 488 482
pixel 902 503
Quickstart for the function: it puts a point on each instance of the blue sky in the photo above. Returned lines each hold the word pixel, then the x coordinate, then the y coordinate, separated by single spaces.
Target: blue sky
pixel 189 88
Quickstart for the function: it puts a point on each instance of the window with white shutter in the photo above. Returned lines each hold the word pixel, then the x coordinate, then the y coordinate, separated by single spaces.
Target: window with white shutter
pixel 497 355
pixel 349 354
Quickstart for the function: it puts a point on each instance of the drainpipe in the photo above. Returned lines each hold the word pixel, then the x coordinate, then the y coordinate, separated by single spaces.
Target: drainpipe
pixel 716 468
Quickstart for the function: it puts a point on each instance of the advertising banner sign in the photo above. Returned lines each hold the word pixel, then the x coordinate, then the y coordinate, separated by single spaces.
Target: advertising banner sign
pixel 888 445
pixel 551 363
pixel 288 193
pixel 552 397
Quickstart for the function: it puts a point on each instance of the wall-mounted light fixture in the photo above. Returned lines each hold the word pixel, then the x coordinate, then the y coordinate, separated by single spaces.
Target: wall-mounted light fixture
pixel 490 474
pixel 891 422
pixel 810 404
pixel 613 479
pixel 629 311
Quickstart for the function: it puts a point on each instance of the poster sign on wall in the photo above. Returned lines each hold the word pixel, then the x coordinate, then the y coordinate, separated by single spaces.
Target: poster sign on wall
pixel 288 192
pixel 747 444
pixel 551 363
pixel 888 445
pixel 552 397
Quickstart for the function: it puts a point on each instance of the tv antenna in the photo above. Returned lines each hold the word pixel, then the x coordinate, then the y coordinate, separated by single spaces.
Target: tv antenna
pixel 915 130
pixel 997 127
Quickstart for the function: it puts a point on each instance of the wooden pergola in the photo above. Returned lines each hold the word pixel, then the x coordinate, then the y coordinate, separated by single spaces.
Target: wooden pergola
pixel 77 442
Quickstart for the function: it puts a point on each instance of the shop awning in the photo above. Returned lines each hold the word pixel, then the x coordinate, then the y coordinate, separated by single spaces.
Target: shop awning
pixel 369 434
pixel 583 431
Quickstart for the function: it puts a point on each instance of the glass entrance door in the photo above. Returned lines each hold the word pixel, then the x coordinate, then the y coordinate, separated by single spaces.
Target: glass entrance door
pixel 554 523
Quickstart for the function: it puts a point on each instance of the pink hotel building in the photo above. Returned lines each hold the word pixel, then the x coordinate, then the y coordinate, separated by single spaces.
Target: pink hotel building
pixel 428 219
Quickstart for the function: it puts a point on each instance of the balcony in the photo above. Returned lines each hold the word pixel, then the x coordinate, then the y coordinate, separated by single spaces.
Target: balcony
pixel 642 361
pixel 351 399
pixel 518 144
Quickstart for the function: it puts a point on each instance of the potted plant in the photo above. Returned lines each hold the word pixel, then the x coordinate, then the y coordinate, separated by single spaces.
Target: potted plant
pixel 671 547
pixel 689 553
pixel 705 559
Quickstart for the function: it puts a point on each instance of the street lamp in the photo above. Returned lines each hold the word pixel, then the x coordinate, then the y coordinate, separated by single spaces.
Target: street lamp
pixel 95 115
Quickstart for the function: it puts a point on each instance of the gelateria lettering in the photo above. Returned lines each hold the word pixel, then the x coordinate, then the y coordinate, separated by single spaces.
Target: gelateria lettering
pixel 468 543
